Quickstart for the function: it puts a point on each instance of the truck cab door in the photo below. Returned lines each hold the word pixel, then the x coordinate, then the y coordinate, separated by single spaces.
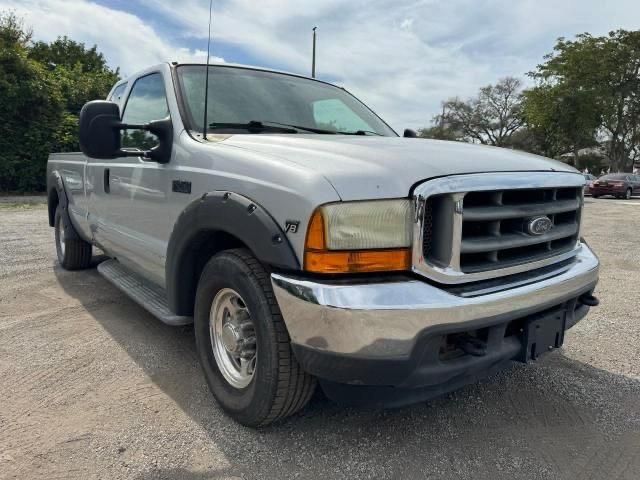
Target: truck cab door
pixel 132 191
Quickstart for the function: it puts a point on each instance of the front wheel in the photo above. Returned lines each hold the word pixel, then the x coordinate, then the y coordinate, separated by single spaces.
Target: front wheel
pixel 243 344
pixel 627 194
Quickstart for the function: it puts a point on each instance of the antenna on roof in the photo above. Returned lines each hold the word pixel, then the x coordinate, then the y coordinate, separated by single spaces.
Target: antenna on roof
pixel 313 55
pixel 206 77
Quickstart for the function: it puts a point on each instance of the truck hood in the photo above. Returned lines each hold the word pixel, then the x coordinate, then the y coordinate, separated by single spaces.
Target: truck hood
pixel 370 167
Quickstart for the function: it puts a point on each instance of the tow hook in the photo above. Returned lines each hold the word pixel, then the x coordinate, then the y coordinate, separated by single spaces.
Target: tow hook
pixel 471 345
pixel 588 299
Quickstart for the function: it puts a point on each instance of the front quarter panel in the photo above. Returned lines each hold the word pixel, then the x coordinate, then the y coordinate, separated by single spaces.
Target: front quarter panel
pixel 288 192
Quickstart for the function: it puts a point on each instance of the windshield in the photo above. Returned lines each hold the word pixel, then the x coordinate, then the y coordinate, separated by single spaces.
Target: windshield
pixel 239 96
pixel 617 176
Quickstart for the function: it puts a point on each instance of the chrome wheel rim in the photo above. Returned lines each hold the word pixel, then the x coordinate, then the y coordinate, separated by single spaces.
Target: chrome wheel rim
pixel 61 239
pixel 233 338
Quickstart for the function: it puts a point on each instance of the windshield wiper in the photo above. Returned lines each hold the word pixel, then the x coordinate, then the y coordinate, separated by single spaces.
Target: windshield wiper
pixel 252 126
pixel 306 129
pixel 332 132
pixel 257 126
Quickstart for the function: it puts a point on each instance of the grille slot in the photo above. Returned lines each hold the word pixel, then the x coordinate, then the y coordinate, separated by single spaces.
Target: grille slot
pixel 427 228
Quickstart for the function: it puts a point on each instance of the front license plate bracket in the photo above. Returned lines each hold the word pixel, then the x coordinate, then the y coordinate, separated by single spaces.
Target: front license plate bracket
pixel 541 334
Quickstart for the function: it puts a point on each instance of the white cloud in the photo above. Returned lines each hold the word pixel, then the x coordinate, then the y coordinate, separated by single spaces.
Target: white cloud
pixel 406 24
pixel 402 57
pixel 125 39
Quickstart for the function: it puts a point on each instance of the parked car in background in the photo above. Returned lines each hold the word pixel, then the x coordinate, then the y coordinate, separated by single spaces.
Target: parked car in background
pixel 589 181
pixel 620 185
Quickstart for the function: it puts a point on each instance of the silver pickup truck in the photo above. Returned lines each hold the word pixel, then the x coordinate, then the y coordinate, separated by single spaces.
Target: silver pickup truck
pixel 309 243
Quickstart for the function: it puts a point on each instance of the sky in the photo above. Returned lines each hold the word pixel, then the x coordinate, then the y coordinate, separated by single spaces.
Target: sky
pixel 401 57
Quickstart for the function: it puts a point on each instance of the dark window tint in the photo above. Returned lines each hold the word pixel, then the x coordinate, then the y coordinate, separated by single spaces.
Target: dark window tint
pixel 118 92
pixel 147 101
pixel 238 95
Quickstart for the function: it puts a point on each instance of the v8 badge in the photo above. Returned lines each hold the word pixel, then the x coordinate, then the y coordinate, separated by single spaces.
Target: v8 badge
pixel 291 226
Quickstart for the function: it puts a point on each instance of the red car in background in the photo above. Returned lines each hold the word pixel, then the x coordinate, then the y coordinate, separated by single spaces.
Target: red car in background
pixel 620 185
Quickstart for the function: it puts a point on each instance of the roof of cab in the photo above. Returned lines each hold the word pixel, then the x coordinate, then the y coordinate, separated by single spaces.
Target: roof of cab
pixel 220 64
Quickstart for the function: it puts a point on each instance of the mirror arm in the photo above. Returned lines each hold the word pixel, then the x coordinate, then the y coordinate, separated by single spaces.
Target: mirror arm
pixel 158 128
pixel 130 126
pixel 145 154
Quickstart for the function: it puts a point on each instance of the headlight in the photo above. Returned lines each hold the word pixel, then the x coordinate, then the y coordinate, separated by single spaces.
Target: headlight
pixel 354 237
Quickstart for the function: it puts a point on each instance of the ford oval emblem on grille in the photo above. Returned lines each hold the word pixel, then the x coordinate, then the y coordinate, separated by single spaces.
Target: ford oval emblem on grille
pixel 539 225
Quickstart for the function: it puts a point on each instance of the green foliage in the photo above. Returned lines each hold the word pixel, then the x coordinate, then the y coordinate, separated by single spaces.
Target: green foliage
pixel 42 87
pixel 586 88
pixel 594 163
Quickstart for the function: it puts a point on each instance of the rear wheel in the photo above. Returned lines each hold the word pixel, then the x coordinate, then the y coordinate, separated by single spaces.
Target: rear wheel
pixel 627 194
pixel 595 196
pixel 243 344
pixel 73 252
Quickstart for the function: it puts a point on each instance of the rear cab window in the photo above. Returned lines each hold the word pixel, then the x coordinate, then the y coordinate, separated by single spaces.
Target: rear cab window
pixel 117 95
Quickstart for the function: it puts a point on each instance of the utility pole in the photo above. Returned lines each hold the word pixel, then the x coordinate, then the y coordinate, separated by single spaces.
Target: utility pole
pixel 313 58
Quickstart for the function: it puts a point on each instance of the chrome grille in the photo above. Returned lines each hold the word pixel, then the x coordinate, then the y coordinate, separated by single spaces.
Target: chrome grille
pixel 494 228
pixel 474 227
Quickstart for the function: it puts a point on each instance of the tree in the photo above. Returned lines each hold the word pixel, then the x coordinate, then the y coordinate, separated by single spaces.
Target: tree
pixel 590 87
pixel 562 118
pixel 82 72
pixel 491 118
pixel 43 87
pixel 30 111
pixel 440 129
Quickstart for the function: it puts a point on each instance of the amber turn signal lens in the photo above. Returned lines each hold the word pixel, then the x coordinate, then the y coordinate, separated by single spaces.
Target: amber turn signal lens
pixel 315 233
pixel 357 261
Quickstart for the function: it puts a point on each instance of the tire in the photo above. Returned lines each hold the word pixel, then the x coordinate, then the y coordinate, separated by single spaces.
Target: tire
pixel 278 386
pixel 627 194
pixel 595 196
pixel 73 252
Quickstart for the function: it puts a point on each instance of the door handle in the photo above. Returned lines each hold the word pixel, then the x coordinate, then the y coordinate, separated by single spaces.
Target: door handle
pixel 106 181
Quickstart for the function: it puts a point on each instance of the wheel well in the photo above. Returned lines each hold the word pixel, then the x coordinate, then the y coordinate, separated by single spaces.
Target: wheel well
pixel 52 205
pixel 200 249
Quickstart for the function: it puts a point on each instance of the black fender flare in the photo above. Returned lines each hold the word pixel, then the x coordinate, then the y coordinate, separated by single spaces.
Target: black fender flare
pixel 229 213
pixel 63 202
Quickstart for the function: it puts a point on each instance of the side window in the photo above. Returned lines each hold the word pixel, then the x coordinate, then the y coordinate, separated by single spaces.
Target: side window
pixel 116 95
pixel 147 101
pixel 333 114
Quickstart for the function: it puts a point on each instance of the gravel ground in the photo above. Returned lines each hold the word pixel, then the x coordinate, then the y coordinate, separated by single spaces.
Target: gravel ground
pixel 92 386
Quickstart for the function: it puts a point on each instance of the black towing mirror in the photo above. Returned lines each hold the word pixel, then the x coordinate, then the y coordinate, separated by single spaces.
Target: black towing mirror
pixel 100 127
pixel 99 132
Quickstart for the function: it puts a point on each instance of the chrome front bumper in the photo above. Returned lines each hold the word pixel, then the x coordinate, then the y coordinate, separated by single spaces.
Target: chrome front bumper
pixel 385 319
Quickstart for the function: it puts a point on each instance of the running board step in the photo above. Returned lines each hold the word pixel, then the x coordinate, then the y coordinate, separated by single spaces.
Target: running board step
pixel 150 297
